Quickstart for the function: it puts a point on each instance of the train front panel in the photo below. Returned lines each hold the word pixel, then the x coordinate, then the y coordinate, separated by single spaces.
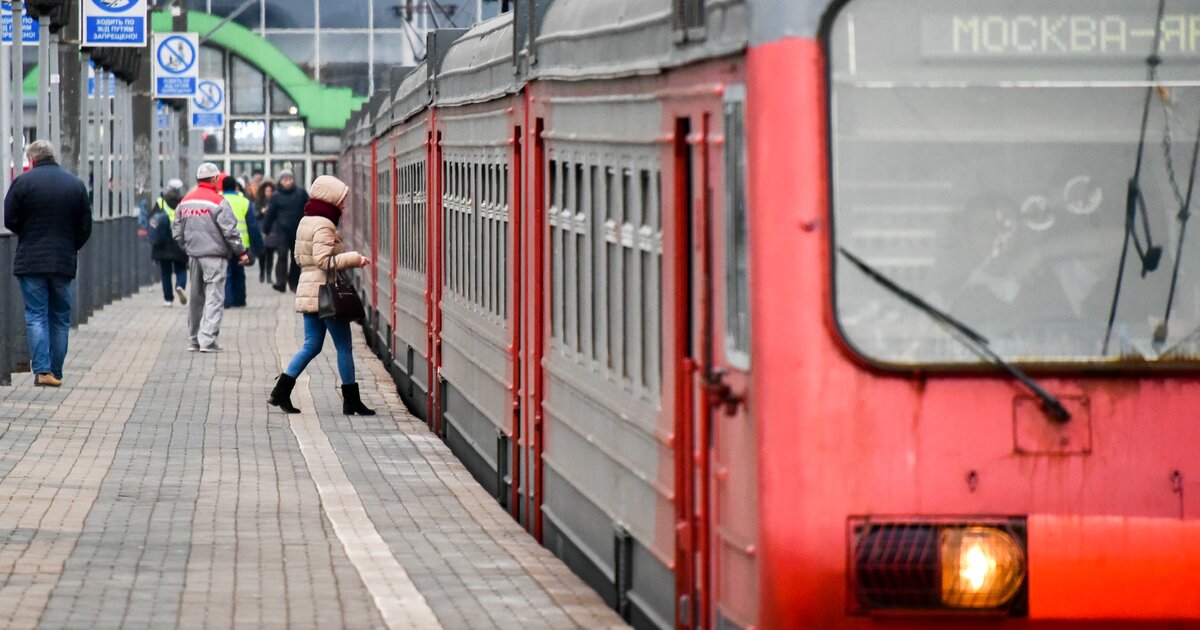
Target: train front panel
pixel 975 304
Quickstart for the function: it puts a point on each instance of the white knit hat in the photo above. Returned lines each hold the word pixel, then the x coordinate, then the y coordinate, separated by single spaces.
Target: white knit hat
pixel 329 189
pixel 177 184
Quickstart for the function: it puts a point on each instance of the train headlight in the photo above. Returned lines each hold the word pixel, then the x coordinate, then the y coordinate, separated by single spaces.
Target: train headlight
pixel 982 567
pixel 971 565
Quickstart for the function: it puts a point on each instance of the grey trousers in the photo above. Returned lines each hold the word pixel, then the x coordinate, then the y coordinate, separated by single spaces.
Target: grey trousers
pixel 206 300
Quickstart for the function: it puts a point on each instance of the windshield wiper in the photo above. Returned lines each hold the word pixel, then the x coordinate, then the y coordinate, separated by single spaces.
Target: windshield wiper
pixel 1151 254
pixel 971 338
pixel 1185 213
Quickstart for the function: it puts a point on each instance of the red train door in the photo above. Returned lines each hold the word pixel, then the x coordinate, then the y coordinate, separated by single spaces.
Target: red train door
pixel 725 374
pixel 715 474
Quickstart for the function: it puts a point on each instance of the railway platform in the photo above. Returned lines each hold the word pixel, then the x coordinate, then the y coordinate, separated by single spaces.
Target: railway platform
pixel 156 489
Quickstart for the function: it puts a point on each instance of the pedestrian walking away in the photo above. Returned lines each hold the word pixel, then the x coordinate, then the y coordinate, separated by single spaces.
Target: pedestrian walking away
pixel 262 199
pixel 318 248
pixel 206 228
pixel 247 224
pixel 283 217
pixel 172 260
pixel 51 213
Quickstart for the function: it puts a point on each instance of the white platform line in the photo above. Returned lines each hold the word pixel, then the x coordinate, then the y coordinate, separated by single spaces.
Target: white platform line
pixel 397 598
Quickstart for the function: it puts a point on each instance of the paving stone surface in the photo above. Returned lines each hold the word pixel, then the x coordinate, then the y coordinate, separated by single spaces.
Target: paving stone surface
pixel 156 489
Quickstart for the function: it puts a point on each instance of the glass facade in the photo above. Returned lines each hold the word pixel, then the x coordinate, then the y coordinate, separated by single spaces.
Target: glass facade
pixel 340 43
pixel 350 43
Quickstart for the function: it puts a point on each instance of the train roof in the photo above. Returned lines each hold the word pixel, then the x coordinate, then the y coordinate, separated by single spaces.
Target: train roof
pixel 479 65
pixel 575 40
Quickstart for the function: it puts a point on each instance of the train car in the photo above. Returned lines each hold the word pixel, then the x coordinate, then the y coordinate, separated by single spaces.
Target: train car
pixel 800 313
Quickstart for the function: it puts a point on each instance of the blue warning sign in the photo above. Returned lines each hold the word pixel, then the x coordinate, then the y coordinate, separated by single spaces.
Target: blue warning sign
pixel 175 69
pixel 114 22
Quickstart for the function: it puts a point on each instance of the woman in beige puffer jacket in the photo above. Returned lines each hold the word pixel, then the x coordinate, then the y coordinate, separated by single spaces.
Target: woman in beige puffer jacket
pixel 318 244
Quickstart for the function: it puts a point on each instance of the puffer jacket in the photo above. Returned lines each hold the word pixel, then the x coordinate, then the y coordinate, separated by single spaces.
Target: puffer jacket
pixel 317 240
pixel 49 211
pixel 196 231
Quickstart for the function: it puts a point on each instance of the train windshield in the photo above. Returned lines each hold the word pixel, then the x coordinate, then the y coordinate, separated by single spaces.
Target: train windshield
pixel 1028 167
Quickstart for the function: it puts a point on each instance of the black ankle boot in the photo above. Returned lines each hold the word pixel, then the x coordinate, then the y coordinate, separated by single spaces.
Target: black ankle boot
pixel 352 404
pixel 281 396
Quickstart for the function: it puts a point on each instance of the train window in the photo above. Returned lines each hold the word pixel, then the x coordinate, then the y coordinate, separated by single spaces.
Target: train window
pixel 1025 167
pixel 688 20
pixel 737 250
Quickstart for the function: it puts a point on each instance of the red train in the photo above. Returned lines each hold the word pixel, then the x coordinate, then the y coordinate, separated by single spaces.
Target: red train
pixel 795 313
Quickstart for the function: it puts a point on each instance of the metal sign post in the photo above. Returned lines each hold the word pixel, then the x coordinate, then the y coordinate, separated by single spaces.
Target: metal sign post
pixel 17 24
pixel 176 58
pixel 113 23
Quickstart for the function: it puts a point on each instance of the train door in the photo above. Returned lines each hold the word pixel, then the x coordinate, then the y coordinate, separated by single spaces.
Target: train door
pixel 433 275
pixel 726 378
pixel 714 470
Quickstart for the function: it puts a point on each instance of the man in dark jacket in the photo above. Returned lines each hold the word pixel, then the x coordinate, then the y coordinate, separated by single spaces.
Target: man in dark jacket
pixel 172 260
pixel 283 217
pixel 49 211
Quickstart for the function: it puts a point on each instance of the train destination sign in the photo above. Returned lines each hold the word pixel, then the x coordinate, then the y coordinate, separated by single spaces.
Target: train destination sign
pixel 1058 35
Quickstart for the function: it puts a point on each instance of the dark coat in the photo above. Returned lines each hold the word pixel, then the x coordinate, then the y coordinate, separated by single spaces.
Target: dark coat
pixel 283 216
pixel 50 212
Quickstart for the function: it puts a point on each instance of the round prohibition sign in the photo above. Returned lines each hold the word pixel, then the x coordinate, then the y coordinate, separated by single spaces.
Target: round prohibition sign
pixel 176 55
pixel 114 6
pixel 208 96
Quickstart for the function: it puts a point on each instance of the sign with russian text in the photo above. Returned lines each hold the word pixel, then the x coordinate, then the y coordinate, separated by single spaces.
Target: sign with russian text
pixel 176 64
pixel 207 109
pixel 30 33
pixel 114 22
pixel 1080 35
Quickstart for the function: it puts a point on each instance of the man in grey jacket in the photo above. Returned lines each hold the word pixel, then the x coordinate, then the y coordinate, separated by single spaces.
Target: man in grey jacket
pixel 206 228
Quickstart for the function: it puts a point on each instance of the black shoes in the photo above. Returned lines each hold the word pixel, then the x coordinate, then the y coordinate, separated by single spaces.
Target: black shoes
pixel 352 404
pixel 281 396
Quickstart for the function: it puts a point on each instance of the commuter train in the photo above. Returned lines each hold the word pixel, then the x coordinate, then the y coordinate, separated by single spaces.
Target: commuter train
pixel 798 313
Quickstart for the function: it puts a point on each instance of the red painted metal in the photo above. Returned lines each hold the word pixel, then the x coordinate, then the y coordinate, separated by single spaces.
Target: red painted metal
pixel 540 269
pixel 395 236
pixel 679 353
pixel 374 203
pixel 516 309
pixel 433 262
pixel 702 208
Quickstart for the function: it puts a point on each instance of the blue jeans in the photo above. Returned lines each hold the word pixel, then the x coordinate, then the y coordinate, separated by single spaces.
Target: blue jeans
pixel 48 301
pixel 172 270
pixel 314 339
pixel 235 285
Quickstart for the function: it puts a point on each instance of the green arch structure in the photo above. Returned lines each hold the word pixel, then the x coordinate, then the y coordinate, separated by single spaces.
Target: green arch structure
pixel 325 108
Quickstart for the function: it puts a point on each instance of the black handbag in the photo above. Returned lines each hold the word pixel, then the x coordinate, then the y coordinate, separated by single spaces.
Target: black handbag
pixel 337 299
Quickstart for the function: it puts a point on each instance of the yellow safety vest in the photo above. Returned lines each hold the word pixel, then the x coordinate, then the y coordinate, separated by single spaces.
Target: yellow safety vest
pixel 162 204
pixel 241 207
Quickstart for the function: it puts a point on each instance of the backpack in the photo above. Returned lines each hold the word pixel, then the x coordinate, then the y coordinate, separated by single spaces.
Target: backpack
pixel 160 229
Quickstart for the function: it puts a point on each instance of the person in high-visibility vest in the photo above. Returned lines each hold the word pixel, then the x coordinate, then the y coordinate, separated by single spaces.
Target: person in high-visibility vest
pixel 172 260
pixel 247 222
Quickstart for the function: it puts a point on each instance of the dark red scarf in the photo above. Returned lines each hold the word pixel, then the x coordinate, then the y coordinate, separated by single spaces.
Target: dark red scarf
pixel 319 208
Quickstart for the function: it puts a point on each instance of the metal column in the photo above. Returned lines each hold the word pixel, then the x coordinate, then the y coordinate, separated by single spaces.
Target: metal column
pixel 104 107
pixel 85 115
pixel 43 70
pixel 6 103
pixel 18 82
pixel 56 112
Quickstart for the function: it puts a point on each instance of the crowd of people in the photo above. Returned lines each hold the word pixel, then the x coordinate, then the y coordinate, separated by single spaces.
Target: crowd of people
pixel 202 240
